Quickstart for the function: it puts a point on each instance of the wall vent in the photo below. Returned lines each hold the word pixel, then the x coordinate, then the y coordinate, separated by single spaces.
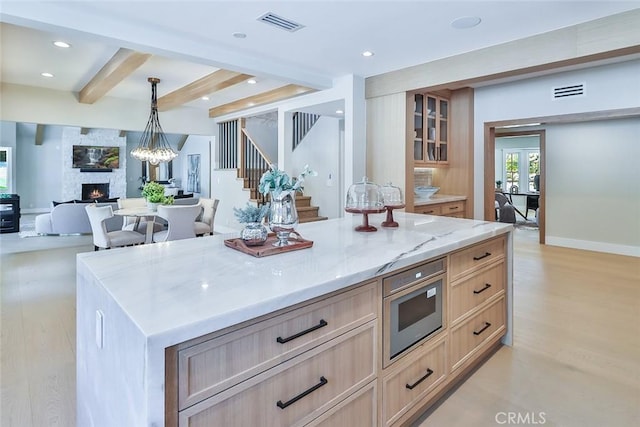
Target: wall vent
pixel 569 91
pixel 280 22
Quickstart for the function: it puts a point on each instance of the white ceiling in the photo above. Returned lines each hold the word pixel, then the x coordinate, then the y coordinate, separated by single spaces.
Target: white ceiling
pixel 190 39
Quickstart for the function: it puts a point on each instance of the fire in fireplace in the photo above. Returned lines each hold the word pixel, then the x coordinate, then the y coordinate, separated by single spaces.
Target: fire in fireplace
pixel 95 191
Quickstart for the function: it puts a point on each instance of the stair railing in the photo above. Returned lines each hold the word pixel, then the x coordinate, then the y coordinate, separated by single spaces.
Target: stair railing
pixel 252 164
pixel 228 145
pixel 302 123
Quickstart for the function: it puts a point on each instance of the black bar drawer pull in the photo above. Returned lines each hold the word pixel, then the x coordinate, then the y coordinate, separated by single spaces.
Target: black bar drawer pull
pixel 322 382
pixel 478 258
pixel 486 286
pixel 299 334
pixel 486 325
pixel 414 385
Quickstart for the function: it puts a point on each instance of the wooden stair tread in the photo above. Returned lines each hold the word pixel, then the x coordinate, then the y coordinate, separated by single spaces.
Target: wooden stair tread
pixel 312 219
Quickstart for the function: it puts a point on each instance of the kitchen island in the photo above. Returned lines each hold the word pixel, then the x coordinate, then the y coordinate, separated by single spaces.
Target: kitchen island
pixel 138 306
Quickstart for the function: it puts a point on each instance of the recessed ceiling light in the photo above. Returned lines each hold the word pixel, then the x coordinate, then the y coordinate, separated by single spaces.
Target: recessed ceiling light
pixel 251 104
pixel 465 22
pixel 61 44
pixel 239 35
pixel 252 81
pixel 367 53
pixel 46 74
pixel 339 111
pixel 205 98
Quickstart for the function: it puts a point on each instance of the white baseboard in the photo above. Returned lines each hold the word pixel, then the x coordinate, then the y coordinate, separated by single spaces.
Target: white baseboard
pixel 611 248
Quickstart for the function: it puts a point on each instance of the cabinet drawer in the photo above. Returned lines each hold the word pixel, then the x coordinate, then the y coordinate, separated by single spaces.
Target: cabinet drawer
pixel 210 367
pixel 411 381
pixel 453 208
pixel 429 209
pixel 296 392
pixel 470 293
pixel 476 256
pixel 359 410
pixel 481 328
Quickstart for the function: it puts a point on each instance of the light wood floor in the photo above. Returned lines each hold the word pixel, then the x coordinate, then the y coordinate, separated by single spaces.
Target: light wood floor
pixel 576 356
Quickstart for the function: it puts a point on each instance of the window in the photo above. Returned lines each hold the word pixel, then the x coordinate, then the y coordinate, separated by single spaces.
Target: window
pixel 521 169
pixel 6 185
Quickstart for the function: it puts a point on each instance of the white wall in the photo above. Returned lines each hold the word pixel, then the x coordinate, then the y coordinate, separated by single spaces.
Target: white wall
pixel 263 131
pixel 593 186
pixel 320 150
pixel 608 87
pixel 39 167
pixel 202 145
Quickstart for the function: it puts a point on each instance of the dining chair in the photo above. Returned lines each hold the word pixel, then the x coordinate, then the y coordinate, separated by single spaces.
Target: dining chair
pixel 505 211
pixel 135 223
pixel 180 220
pixel 109 239
pixel 205 224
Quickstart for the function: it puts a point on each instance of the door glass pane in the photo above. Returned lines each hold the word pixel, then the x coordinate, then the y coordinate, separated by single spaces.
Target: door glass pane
pixel 534 171
pixel 417 151
pixel 512 172
pixel 444 109
pixel 443 131
pixel 431 151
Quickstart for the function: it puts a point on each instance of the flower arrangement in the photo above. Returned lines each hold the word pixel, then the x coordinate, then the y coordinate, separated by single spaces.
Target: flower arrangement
pixel 276 181
pixel 251 213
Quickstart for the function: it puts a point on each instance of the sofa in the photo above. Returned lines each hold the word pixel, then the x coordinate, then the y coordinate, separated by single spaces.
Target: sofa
pixel 71 218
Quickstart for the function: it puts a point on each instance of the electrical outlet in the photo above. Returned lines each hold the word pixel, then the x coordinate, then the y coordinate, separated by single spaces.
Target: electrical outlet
pixel 99 329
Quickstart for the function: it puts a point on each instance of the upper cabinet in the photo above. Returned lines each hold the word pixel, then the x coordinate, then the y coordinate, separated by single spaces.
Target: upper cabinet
pixel 431 130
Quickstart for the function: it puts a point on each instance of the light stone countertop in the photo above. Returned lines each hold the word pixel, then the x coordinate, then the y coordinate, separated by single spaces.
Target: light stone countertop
pixel 437 198
pixel 175 291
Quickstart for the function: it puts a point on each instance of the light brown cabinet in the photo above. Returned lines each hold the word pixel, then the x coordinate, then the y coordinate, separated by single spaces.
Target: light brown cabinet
pixel 322 363
pixel 431 130
pixel 283 370
pixel 455 209
pixel 477 304
pixel 412 379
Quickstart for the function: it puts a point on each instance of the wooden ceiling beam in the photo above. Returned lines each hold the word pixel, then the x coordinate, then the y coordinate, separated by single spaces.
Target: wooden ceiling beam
pixel 119 67
pixel 288 91
pixel 206 85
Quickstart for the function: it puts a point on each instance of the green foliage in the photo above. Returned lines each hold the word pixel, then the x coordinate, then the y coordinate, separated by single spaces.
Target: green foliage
pixel 276 181
pixel 251 213
pixel 153 192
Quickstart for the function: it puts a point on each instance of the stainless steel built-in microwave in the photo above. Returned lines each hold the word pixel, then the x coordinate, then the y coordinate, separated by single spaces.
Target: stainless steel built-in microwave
pixel 412 306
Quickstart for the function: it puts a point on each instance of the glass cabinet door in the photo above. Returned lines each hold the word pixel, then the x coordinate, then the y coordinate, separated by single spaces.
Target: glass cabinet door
pixel 443 136
pixel 418 136
pixel 430 134
pixel 431 129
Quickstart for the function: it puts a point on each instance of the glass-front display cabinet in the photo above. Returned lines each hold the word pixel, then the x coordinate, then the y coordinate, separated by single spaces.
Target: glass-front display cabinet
pixel 431 130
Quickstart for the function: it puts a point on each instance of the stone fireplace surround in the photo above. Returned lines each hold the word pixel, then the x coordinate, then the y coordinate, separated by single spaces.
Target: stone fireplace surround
pixel 73 178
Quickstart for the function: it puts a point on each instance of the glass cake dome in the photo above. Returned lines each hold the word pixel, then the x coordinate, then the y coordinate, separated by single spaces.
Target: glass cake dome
pixel 364 196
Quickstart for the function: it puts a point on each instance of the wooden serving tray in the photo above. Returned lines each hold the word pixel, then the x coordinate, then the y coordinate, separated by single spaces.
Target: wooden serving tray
pixel 296 242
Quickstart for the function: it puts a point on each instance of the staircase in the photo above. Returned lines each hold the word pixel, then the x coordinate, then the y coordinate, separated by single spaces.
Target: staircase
pixel 238 151
pixel 307 212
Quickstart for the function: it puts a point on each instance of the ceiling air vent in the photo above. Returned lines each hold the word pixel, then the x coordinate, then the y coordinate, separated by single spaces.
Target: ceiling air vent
pixel 568 91
pixel 280 22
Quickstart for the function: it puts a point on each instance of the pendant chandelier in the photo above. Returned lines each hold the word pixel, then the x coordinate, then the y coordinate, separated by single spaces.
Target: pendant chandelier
pixel 153 146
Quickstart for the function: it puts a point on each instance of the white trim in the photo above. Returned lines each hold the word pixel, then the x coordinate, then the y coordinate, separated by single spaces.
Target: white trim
pixel 593 246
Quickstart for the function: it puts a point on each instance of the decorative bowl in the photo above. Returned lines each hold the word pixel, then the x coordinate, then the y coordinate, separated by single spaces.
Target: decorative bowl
pixel 425 192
